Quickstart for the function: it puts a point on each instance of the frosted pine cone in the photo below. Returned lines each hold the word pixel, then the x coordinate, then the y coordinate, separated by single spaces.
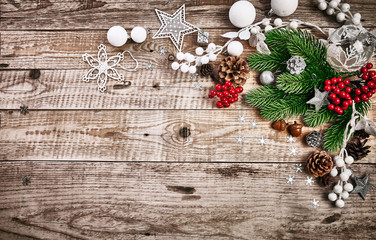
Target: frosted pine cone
pixel 296 65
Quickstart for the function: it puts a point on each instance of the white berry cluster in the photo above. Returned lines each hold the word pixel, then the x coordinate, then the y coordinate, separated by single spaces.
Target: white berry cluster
pixel 341 10
pixel 342 189
pixel 188 62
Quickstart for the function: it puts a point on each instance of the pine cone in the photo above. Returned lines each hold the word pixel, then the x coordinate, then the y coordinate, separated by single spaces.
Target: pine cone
pixel 319 163
pixel 206 70
pixel 314 139
pixel 356 148
pixel 234 69
pixel 326 180
pixel 361 134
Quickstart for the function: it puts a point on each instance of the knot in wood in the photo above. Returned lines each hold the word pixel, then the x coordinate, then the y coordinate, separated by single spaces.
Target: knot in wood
pixel 184 132
pixel 34 74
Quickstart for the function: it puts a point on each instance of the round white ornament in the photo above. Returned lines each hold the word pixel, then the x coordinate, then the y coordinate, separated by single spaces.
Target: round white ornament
pixel 332 196
pixel 334 172
pixel 344 177
pixel 278 22
pixel 199 51
pixel 345 195
pixel 235 48
pixel 340 203
pixel 117 36
pixel 211 47
pixel 212 57
pixel 268 28
pixel 348 187
pixel 349 160
pixel 138 34
pixel 189 57
pixel 175 66
pixel 284 8
pixel 242 14
pixel 323 6
pixel 192 69
pixel 204 60
pixel 267 78
pixel 184 68
pixel 294 25
pixel 337 189
pixel 180 56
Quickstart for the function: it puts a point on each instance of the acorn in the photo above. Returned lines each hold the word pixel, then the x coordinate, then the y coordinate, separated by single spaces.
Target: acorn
pixel 279 125
pixel 296 129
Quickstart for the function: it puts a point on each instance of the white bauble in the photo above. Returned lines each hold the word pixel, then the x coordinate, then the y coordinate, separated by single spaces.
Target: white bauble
pixel 212 57
pixel 138 34
pixel 198 61
pixel 323 6
pixel 189 57
pixel 344 177
pixel 184 68
pixel 192 69
pixel 199 51
pixel 355 20
pixel 117 36
pixel 345 7
pixel 357 15
pixel 284 8
pixel 254 30
pixel 175 66
pixel 211 47
pixel 348 172
pixel 330 11
pixel 340 203
pixel 268 28
pixel 337 189
pixel 345 195
pixel 265 22
pixel 242 14
pixel 334 172
pixel 180 56
pixel 348 187
pixel 235 48
pixel 204 60
pixel 294 25
pixel 267 78
pixel 332 196
pixel 349 160
pixel 341 17
pixel 333 4
pixel 278 22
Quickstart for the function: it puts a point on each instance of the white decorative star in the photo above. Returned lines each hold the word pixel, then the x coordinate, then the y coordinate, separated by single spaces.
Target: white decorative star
pixel 262 141
pixel 320 99
pixel 197 86
pixel 162 51
pixel 298 167
pixel 290 179
pixel 149 66
pixel 174 26
pixel 315 203
pixel 239 140
pixel 193 75
pixel 290 139
pixel 309 181
pixel 253 123
pixel 293 151
pixel 241 118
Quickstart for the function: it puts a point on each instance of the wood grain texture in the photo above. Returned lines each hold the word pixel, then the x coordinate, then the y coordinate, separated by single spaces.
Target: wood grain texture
pixel 144 135
pixel 173 201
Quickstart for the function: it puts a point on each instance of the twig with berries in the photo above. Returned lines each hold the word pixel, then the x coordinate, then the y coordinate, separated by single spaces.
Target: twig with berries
pixel 226 93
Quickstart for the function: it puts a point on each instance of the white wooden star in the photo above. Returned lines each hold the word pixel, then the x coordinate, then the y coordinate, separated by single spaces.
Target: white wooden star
pixel 197 86
pixel 262 141
pixel 320 99
pixel 309 181
pixel 298 167
pixel 174 26
pixel 293 151
pixel 315 203
pixel 241 118
pixel 162 51
pixel 290 139
pixel 290 179
pixel 239 140
pixel 253 123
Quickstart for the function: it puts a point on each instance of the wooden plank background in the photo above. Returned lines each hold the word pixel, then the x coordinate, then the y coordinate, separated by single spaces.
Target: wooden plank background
pixel 113 165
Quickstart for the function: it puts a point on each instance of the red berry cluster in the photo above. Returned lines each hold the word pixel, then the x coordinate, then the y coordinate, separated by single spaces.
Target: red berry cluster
pixel 226 93
pixel 340 94
pixel 366 92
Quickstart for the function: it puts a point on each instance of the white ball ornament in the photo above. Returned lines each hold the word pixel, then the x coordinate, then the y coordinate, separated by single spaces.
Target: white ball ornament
pixel 348 172
pixel 180 56
pixel 345 7
pixel 344 177
pixel 348 187
pixel 268 28
pixel 199 51
pixel 337 189
pixel 204 60
pixel 192 69
pixel 211 47
pixel 254 30
pixel 332 196
pixel 320 1
pixel 242 14
pixel 334 172
pixel 212 57
pixel 333 4
pixel 138 34
pixel 175 66
pixel 330 11
pixel 198 61
pixel 357 15
pixel 278 22
pixel 294 25
pixel 117 36
pixel 189 57
pixel 349 160
pixel 235 48
pixel 184 68
pixel 340 203
pixel 267 78
pixel 341 17
pixel 284 8
pixel 265 22
pixel 356 21
pixel 322 6
pixel 345 195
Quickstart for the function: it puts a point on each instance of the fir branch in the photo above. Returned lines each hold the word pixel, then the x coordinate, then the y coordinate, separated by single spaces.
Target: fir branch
pixel 277 39
pixel 266 62
pixel 314 118
pixel 263 96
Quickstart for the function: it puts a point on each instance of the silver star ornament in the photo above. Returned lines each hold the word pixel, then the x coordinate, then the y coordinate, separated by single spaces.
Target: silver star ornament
pixel 320 99
pixel 174 26
pixel 362 186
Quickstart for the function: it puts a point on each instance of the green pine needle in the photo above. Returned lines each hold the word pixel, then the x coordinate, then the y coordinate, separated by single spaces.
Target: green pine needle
pixel 314 119
pixel 265 62
pixel 263 96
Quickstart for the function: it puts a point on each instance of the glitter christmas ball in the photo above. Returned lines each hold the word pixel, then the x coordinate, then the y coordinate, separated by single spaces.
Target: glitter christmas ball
pixel 314 139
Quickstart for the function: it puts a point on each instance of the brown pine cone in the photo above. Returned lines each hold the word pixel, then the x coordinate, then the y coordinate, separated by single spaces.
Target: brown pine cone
pixel 206 70
pixel 361 134
pixel 319 163
pixel 234 69
pixel 356 148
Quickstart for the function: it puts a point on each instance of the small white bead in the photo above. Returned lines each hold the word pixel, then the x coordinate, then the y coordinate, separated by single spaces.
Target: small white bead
pixel 189 57
pixel 254 30
pixel 211 47
pixel 180 56
pixel 340 203
pixel 175 66
pixel 340 163
pixel 265 22
pixel 348 172
pixel 212 57
pixel 278 22
pixel 199 51
pixel 268 28
pixel 345 195
pixel 341 17
pixel 198 61
pixel 356 21
pixel 192 69
pixel 348 187
pixel 204 60
pixel 344 177
pixel 349 160
pixel 332 196
pixel 333 4
pixel 330 11
pixel 337 189
pixel 184 68
pixel 345 7
pixel 334 172
pixel 322 6
pixel 294 25
pixel 357 15
pixel 320 1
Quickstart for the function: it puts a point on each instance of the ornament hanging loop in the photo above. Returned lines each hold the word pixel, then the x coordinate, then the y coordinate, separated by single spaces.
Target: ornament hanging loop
pixel 270 13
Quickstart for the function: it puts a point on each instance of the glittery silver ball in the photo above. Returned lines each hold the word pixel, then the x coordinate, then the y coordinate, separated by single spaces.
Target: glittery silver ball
pixel 267 78
pixel 296 65
pixel 314 139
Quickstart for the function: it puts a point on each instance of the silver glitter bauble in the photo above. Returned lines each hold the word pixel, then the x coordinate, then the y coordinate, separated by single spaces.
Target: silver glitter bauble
pixel 296 65
pixel 267 78
pixel 314 139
